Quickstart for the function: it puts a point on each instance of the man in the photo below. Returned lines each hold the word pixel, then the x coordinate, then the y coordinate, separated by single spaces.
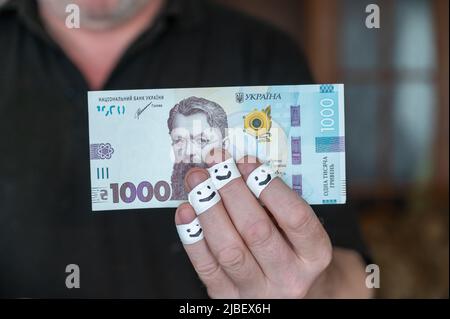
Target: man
pixel 46 222
pixel 196 126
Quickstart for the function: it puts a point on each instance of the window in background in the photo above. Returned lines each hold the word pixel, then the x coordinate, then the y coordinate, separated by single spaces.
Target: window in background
pixel 390 95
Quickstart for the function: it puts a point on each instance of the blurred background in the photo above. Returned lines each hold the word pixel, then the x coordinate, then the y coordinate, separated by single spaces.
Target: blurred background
pixel 397 134
pixel 397 113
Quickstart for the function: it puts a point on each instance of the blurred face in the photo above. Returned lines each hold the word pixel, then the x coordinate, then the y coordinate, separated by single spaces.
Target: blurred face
pixel 193 138
pixel 98 14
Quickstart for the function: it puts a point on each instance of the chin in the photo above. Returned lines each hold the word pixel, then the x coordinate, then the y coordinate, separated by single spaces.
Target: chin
pixel 99 6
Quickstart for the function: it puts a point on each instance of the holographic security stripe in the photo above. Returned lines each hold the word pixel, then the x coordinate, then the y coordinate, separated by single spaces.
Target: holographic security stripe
pixel 296 151
pixel 295 115
pixel 330 144
pixel 297 184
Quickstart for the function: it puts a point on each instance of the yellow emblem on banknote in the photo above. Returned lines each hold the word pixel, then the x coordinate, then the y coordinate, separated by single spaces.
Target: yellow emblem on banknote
pixel 258 124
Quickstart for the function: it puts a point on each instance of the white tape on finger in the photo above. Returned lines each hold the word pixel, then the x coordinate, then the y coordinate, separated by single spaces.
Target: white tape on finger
pixel 258 180
pixel 223 173
pixel 203 196
pixel 190 233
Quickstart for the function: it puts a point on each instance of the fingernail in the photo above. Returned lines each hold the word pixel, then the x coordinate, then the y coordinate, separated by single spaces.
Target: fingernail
pixel 195 177
pixel 185 214
pixel 217 156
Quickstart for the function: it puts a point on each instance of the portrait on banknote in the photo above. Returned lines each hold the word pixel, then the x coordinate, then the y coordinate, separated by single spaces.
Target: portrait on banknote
pixel 196 126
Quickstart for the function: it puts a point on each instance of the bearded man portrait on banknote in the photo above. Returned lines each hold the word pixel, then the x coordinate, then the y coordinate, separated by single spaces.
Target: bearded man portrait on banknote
pixel 191 145
pixel 290 250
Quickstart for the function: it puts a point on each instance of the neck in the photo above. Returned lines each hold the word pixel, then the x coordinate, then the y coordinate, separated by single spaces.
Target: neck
pixel 95 52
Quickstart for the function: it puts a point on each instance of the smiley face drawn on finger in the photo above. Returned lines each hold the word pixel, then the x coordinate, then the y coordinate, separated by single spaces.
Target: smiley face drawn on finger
pixel 223 177
pixel 222 173
pixel 195 234
pixel 203 196
pixel 266 180
pixel 259 179
pixel 190 233
pixel 207 198
pixel 195 230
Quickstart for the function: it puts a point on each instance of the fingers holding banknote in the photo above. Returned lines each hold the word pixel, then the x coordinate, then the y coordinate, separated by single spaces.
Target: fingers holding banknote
pixel 245 253
pixel 223 240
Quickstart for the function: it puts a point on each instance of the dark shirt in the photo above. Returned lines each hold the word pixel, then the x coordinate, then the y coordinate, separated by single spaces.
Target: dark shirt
pixel 46 220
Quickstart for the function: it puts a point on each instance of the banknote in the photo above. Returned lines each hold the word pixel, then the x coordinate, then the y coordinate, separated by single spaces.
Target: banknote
pixel 142 142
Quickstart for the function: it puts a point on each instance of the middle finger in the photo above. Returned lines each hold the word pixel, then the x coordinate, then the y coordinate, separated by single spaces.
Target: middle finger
pixel 266 243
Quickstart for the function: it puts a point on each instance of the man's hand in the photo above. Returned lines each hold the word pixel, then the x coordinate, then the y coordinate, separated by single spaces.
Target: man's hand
pixel 280 251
